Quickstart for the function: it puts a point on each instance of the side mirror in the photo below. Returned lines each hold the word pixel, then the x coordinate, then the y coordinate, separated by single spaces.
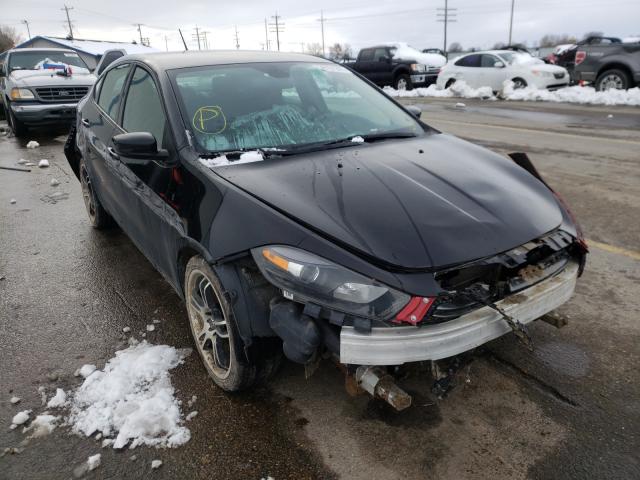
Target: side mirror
pixel 414 110
pixel 138 145
pixel 498 65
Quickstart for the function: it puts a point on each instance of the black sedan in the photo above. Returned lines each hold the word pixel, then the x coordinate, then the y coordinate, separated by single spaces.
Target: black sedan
pixel 296 208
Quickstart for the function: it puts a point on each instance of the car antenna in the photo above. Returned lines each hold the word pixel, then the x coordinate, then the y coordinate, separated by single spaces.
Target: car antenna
pixel 182 37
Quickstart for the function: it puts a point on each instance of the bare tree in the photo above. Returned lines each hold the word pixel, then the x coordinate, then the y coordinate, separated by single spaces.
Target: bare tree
pixel 9 38
pixel 499 45
pixel 455 47
pixel 593 34
pixel 339 51
pixel 314 49
pixel 550 40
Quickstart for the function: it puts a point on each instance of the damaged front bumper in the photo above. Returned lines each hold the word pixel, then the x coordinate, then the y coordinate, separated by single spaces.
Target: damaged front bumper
pixel 398 345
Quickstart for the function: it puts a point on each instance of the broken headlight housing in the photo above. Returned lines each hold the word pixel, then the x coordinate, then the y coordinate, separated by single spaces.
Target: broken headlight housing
pixel 303 277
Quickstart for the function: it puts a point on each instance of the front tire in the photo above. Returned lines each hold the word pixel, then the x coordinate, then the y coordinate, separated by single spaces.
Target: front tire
pixel 450 82
pixel 19 128
pixel 519 83
pixel 613 79
pixel 214 329
pixel 98 216
pixel 403 82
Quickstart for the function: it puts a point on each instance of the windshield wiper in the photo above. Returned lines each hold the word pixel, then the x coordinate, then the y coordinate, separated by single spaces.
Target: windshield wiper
pixel 339 143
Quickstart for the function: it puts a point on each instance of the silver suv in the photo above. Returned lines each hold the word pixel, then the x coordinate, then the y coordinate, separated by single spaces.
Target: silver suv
pixel 42 86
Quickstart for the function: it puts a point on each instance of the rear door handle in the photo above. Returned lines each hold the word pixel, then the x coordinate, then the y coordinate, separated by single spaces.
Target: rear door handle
pixel 113 153
pixel 86 122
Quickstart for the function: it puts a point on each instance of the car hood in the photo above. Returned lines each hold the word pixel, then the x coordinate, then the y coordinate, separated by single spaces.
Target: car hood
pixel 421 203
pixel 47 78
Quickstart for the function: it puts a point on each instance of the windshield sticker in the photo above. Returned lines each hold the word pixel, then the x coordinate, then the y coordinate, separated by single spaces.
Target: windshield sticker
pixel 74 55
pixel 210 120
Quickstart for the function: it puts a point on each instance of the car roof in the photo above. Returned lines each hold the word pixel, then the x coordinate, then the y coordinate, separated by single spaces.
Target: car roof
pixel 171 60
pixel 66 50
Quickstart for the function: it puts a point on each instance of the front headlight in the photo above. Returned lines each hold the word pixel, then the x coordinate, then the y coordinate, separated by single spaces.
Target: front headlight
pixel 21 94
pixel 304 276
pixel 542 73
pixel 418 67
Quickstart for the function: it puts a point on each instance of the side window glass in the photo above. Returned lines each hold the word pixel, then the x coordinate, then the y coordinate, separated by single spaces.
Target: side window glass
pixel 110 92
pixel 143 109
pixel 366 55
pixel 380 53
pixel 469 61
pixel 488 61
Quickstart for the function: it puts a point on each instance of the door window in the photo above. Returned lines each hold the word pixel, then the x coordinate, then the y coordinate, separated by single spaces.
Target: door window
pixel 366 55
pixel 143 110
pixel 380 53
pixel 110 92
pixel 469 61
pixel 488 61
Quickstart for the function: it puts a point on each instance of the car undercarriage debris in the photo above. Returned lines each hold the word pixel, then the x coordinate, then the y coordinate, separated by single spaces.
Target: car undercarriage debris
pixel 379 384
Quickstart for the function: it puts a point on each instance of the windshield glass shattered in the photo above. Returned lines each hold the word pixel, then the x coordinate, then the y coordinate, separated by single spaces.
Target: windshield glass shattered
pixel 280 105
pixel 47 60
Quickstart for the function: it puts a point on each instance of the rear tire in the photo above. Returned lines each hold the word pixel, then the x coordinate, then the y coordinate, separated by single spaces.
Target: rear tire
pixel 613 79
pixel 19 128
pixel 214 330
pixel 98 216
pixel 403 82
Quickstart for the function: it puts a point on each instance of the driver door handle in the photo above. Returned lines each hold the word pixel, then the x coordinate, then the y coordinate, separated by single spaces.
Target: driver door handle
pixel 86 122
pixel 113 153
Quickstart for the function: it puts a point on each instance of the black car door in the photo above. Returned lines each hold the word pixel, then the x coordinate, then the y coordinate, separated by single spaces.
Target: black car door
pixel 148 186
pixel 98 118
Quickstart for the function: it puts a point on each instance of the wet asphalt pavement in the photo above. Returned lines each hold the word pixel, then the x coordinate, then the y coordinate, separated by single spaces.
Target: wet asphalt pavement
pixel 570 409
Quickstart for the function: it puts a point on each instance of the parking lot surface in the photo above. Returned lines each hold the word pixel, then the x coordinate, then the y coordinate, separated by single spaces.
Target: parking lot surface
pixel 569 409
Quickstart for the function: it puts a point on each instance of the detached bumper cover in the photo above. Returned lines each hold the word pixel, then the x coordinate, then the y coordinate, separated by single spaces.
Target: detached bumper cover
pixel 397 345
pixel 38 113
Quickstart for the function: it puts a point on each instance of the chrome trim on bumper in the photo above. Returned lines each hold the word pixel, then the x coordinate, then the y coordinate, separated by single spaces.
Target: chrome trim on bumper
pixel 397 345
pixel 38 108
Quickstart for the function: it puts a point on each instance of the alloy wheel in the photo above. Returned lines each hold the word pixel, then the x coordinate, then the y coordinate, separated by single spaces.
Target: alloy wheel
pixel 612 81
pixel 402 84
pixel 209 324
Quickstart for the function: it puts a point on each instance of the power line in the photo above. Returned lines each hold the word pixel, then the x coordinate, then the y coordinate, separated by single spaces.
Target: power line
pixel 446 15
pixel 66 9
pixel 277 27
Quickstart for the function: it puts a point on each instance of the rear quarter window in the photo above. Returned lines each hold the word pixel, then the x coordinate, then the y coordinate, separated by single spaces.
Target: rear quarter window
pixel 110 93
pixel 469 61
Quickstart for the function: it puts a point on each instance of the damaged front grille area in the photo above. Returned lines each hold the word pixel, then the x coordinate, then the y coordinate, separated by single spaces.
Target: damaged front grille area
pixel 496 277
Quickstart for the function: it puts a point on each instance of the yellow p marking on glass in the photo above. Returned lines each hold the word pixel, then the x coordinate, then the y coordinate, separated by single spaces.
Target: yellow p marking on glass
pixel 210 120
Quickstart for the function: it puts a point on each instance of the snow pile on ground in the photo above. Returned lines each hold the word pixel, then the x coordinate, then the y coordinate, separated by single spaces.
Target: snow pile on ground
pixel 223 161
pixel 58 400
pixel 32 144
pixel 584 95
pixel 44 163
pixel 156 464
pixel 20 418
pixel 132 399
pixel 458 89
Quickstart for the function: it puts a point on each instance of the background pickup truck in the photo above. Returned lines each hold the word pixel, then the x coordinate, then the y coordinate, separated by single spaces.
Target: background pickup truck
pixel 41 86
pixel 609 65
pixel 397 65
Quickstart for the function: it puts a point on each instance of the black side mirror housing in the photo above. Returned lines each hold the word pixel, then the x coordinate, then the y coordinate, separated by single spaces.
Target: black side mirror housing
pixel 414 110
pixel 139 145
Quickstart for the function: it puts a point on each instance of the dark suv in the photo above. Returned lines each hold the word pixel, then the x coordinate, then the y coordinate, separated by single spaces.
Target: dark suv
pixel 608 63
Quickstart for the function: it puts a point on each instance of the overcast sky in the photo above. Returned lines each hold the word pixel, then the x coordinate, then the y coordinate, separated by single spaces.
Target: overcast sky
pixel 357 22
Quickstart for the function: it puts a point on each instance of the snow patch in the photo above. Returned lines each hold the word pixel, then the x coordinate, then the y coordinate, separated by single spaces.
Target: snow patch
pixel 93 461
pixel 191 416
pixel 58 400
pixel 20 417
pixel 150 328
pixel 357 139
pixel 42 425
pixel 44 163
pixel 54 182
pixel 223 161
pixel 458 89
pixel 32 144
pixel 22 161
pixel 15 400
pixel 576 94
pixel 132 399
pixel 126 329
pixel 86 370
pixel 12 201
pixel 156 464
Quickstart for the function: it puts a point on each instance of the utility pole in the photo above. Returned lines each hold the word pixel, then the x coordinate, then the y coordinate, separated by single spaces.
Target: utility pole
pixel 322 30
pixel 446 15
pixel 205 39
pixel 140 32
pixel 237 39
pixel 66 9
pixel 166 43
pixel 266 35
pixel 28 31
pixel 277 27
pixel 198 37
pixel 511 22
pixel 183 42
